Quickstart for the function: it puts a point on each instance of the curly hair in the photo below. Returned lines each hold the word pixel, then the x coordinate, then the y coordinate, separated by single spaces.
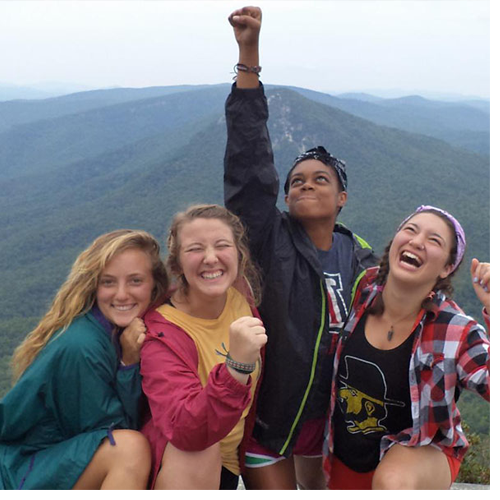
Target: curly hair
pixel 246 269
pixel 443 285
pixel 78 293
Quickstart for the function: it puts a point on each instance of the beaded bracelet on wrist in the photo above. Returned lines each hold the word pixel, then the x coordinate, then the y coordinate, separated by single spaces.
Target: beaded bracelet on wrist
pixel 244 368
pixel 247 69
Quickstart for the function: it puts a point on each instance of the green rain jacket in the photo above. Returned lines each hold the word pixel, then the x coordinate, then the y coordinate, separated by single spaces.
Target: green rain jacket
pixel 68 400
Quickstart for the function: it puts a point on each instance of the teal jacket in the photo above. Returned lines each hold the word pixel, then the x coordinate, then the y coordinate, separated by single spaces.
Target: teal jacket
pixel 68 400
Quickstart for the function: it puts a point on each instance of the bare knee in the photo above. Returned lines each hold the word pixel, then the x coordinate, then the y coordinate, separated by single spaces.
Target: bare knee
pixel 131 451
pixel 309 472
pixel 412 468
pixel 278 476
pixel 190 470
pixel 124 462
pixel 388 478
pixel 207 464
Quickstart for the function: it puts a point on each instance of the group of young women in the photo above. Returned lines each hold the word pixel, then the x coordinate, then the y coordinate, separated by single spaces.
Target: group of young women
pixel 321 369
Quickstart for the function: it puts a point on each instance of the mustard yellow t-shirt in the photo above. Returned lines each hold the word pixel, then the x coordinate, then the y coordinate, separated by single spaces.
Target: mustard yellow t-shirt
pixel 209 335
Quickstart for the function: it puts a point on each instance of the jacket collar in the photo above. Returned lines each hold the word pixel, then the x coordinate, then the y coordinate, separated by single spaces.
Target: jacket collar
pixel 96 314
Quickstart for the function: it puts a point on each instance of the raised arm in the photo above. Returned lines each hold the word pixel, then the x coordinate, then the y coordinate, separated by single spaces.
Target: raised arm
pixel 250 179
pixel 474 356
pixel 246 23
pixel 480 275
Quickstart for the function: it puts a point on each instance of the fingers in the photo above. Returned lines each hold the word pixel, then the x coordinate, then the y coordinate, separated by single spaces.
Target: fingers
pixel 131 340
pixel 247 335
pixel 247 16
pixel 248 21
pixel 139 323
pixel 249 12
pixel 134 333
pixel 136 327
pixel 248 321
pixel 250 325
pixel 473 266
pixel 480 274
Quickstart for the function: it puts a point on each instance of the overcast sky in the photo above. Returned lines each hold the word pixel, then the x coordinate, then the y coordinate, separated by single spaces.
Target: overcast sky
pixel 336 45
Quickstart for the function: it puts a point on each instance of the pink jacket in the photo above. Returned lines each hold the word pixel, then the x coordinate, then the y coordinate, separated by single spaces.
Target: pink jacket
pixel 182 412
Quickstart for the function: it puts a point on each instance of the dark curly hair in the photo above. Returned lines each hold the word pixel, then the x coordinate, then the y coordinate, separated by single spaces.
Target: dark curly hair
pixel 443 285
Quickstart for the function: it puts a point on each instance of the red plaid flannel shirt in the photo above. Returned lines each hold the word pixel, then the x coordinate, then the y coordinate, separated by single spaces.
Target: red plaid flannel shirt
pixel 451 351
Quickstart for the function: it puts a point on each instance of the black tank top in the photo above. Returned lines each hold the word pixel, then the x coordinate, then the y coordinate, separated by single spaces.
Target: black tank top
pixel 373 398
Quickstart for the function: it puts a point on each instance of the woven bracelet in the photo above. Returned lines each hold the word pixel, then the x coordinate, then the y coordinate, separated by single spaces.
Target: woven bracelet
pixel 245 368
pixel 247 69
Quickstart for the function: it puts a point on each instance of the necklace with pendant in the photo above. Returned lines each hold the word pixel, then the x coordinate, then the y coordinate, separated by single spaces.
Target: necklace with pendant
pixel 390 333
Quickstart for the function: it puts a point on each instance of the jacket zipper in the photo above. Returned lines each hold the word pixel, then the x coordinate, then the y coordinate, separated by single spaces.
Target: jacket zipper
pixel 313 372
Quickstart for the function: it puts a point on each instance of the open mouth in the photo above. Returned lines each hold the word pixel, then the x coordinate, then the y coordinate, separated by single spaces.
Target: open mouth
pixel 411 259
pixel 211 276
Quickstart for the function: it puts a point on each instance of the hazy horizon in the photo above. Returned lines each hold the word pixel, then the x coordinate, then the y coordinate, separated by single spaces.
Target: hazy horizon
pixel 413 46
pixel 53 89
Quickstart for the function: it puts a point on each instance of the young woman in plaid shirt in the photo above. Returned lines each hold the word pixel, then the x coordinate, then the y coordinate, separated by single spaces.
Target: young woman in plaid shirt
pixel 404 356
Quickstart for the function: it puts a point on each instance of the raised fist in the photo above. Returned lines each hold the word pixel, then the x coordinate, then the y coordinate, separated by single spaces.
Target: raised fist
pixel 246 23
pixel 246 337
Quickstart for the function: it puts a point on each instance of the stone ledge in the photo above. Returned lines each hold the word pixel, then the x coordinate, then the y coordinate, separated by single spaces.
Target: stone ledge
pixel 454 486
pixel 468 486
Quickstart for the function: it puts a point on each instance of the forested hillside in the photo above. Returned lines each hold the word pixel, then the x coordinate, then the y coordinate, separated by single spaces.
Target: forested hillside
pixel 17 112
pixel 463 124
pixel 74 167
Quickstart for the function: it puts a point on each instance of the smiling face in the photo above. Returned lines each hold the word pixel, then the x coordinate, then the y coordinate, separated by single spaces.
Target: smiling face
pixel 420 251
pixel 208 258
pixel 314 192
pixel 125 287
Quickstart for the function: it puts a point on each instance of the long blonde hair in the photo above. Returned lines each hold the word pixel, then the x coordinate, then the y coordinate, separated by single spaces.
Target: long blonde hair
pixel 246 269
pixel 77 295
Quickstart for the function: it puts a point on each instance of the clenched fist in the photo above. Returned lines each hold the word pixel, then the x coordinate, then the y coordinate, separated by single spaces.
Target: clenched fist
pixel 246 337
pixel 480 274
pixel 131 341
pixel 246 23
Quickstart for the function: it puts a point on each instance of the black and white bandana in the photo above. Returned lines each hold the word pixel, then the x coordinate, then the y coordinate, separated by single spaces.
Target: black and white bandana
pixel 321 154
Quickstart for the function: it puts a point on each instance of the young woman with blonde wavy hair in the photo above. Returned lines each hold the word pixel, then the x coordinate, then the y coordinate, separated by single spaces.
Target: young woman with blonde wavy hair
pixel 68 421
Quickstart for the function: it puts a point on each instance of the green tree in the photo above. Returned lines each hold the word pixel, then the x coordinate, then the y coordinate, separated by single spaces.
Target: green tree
pixel 475 467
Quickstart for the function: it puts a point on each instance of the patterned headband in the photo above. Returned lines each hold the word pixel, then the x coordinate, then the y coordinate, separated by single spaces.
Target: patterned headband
pixel 321 154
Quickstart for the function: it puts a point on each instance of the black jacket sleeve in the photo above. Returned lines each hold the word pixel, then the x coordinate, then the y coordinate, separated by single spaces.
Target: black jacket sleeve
pixel 250 179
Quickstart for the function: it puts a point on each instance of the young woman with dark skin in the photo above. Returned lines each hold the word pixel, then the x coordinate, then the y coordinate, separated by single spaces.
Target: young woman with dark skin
pixel 310 263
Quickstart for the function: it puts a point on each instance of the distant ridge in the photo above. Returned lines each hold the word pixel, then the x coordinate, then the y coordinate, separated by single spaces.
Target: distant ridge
pixel 14 113
pixel 465 124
